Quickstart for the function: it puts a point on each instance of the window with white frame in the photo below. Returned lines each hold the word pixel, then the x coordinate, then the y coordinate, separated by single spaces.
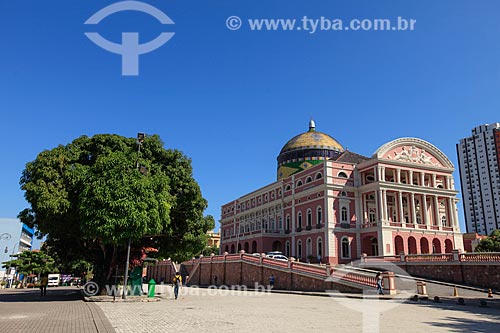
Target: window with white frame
pixel 299 249
pixel 319 247
pixel 343 215
pixel 319 215
pixel 346 248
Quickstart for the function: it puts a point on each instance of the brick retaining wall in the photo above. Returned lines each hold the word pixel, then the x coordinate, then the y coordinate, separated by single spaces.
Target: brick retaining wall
pixel 473 274
pixel 242 273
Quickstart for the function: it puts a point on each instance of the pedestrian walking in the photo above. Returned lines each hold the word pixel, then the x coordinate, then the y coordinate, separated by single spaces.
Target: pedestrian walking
pixel 177 281
pixel 378 278
pixel 271 281
pixel 43 285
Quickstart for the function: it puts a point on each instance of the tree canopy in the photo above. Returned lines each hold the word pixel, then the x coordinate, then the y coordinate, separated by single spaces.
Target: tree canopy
pixel 32 262
pixel 490 243
pixel 90 196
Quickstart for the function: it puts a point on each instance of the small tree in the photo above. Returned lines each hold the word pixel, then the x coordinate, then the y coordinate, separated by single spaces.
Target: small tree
pixel 32 262
pixel 490 243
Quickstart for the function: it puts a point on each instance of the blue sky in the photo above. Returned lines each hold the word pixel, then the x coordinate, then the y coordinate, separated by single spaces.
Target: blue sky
pixel 231 99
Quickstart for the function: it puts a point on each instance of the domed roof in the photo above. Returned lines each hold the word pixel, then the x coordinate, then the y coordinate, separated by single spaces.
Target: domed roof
pixel 312 139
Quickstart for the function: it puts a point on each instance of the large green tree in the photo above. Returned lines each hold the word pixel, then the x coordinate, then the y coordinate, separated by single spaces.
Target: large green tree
pixel 93 195
pixel 490 243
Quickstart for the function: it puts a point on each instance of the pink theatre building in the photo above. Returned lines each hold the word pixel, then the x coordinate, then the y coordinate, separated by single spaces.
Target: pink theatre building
pixel 332 205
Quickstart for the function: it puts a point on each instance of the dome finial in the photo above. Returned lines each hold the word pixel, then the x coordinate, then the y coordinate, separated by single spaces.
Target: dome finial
pixel 312 125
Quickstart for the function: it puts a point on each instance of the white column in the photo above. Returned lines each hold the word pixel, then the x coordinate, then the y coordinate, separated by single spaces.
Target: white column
pixel 400 206
pixel 436 210
pixel 455 214
pixel 384 205
pixel 377 211
pixel 425 217
pixel 382 169
pixel 434 181
pixel 411 177
pixel 358 208
pixel 450 217
pixel 422 179
pixel 413 211
pixel 398 176
pixel 363 207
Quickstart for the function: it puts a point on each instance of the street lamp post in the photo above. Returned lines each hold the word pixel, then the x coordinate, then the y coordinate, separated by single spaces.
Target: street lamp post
pixel 140 140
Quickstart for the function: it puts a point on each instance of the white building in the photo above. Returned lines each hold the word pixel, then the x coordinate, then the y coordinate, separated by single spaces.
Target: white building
pixel 479 162
pixel 15 237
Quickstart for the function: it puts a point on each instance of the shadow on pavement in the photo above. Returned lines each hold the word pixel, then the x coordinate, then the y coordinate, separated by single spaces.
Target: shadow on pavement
pixel 488 317
pixel 33 295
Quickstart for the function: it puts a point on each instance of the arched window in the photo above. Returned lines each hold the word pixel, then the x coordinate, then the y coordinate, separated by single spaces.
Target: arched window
pixel 346 248
pixel 343 194
pixel 288 222
pixel 299 220
pixel 343 215
pixel 319 215
pixel 299 249
pixel 287 248
pixel 309 179
pixel 309 218
pixel 288 187
pixel 342 174
pixel 319 247
pixel 299 183
pixel 319 175
pixel 309 248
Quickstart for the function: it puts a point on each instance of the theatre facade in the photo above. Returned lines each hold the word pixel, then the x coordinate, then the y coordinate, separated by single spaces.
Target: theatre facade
pixel 332 205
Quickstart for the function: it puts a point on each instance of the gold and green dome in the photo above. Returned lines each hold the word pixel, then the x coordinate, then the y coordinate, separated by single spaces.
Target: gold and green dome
pixel 306 150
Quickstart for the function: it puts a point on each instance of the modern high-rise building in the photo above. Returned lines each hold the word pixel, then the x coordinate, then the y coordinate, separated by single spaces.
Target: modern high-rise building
pixel 479 162
pixel 15 237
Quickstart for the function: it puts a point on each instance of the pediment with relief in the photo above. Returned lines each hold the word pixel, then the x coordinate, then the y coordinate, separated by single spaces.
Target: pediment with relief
pixel 413 150
pixel 412 154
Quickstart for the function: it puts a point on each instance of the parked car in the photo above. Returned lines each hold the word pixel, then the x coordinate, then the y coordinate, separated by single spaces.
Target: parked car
pixel 278 257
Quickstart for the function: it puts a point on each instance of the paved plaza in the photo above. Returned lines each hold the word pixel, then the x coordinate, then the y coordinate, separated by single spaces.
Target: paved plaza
pixel 61 310
pixel 209 310
pixel 204 310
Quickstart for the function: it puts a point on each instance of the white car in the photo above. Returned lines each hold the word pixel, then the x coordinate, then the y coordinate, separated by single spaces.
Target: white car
pixel 278 257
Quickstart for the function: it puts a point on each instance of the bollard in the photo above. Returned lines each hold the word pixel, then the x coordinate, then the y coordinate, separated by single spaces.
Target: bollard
pixel 455 291
pixel 461 301
pixel 422 288
pixel 490 294
pixel 151 288
pixel 437 299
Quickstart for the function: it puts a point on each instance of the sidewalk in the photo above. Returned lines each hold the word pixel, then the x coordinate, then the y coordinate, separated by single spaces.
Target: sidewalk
pixel 62 310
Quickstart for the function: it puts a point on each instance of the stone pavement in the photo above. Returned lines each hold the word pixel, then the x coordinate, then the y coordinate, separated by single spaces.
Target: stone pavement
pixel 200 310
pixel 61 310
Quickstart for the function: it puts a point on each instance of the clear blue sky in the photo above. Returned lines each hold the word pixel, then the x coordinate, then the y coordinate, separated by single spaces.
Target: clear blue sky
pixel 231 99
